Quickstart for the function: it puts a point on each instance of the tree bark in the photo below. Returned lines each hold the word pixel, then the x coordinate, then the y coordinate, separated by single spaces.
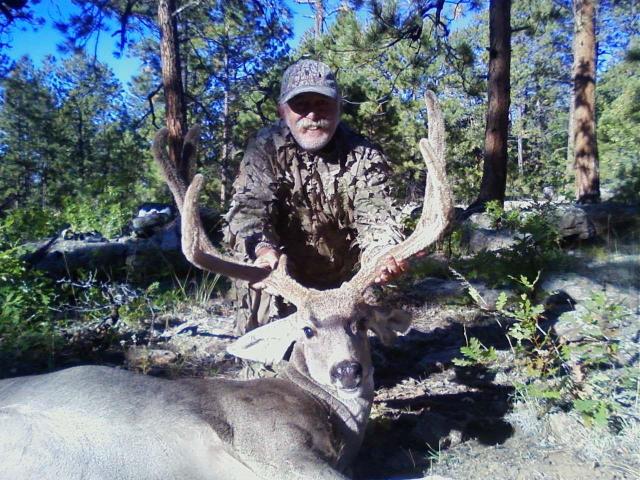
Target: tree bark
pixel 319 20
pixel 224 161
pixel 176 116
pixel 494 175
pixel 584 106
pixel 319 14
pixel 520 155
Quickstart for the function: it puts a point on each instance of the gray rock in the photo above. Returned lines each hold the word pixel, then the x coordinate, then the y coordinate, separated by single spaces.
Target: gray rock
pixel 573 221
pixel 598 219
pixel 481 220
pixel 436 361
pixel 520 204
pixel 618 276
pixel 476 240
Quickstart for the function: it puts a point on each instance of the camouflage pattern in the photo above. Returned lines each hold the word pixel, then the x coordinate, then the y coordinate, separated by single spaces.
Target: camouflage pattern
pixel 322 209
pixel 308 76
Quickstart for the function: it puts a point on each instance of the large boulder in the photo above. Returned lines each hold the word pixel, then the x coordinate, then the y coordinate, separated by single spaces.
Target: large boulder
pixel 573 222
pixel 151 251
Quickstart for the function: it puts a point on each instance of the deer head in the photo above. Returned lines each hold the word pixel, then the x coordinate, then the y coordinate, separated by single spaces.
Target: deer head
pixel 329 327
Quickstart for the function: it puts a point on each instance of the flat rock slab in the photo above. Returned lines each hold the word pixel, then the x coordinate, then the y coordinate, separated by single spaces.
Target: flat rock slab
pixel 618 276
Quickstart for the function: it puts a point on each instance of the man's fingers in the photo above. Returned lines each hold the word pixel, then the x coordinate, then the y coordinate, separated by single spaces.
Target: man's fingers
pixel 390 269
pixel 268 259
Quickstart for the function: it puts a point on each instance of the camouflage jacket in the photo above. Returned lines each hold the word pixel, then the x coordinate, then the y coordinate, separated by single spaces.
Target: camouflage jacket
pixel 322 209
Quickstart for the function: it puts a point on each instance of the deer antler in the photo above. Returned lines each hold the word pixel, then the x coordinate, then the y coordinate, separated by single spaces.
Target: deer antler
pixel 437 210
pixel 196 246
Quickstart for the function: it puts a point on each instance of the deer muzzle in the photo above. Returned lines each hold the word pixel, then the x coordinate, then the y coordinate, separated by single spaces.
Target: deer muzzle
pixel 347 375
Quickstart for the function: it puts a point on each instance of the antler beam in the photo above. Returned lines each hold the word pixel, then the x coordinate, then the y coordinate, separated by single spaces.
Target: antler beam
pixel 437 210
pixel 196 246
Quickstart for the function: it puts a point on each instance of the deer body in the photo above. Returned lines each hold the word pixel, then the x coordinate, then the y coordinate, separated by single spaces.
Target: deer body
pixel 99 423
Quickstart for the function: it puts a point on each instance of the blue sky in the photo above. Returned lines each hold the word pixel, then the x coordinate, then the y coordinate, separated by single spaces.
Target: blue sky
pixel 42 41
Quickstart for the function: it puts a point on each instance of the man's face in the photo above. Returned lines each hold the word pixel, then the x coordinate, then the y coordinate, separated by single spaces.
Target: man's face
pixel 312 119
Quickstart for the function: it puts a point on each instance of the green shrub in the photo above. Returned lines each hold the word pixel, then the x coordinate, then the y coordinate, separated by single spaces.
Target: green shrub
pixel 25 300
pixel 23 224
pixel 107 213
pixel 583 375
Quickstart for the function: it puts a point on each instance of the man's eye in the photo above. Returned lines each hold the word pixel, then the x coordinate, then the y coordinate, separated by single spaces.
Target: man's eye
pixel 308 332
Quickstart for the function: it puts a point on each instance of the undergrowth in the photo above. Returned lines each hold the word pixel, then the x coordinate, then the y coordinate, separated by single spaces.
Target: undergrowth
pixel 40 317
pixel 537 248
pixel 584 373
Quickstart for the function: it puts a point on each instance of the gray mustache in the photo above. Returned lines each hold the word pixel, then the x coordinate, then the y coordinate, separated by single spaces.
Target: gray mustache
pixel 308 123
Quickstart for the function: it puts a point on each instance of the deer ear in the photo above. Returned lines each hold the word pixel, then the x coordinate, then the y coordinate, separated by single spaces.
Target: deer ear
pixel 385 322
pixel 266 344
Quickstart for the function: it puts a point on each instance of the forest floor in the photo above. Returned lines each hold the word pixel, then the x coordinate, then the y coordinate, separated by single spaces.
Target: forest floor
pixel 429 416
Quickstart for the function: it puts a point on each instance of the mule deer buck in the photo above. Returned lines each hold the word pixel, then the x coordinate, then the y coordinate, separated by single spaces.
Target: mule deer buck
pixel 307 423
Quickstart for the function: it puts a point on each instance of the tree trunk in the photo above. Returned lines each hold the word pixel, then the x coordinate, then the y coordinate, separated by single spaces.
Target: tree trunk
pixel 584 106
pixel 224 161
pixel 319 14
pixel 172 81
pixel 520 155
pixel 494 175
pixel 572 102
pixel 319 11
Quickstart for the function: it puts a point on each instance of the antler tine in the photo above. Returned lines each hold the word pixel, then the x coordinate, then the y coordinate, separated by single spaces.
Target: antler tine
pixel 437 210
pixel 281 283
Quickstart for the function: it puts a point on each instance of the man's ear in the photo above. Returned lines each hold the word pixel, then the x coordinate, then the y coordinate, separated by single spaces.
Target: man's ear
pixel 267 344
pixel 281 110
pixel 385 322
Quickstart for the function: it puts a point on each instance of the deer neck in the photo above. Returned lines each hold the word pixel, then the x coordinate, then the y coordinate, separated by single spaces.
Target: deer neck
pixel 352 412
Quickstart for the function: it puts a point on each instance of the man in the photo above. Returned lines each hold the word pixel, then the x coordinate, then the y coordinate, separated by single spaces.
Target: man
pixel 311 188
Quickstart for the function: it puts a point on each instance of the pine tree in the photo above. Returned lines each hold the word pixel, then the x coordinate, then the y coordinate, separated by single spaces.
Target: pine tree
pixel 583 110
pixel 494 176
pixel 28 134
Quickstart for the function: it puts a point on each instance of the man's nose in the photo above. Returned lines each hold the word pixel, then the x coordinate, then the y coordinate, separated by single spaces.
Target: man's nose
pixel 313 114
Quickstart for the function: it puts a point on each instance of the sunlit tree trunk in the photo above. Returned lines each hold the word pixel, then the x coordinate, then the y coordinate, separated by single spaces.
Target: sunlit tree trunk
pixel 319 15
pixel 494 175
pixel 520 155
pixel 584 102
pixel 172 82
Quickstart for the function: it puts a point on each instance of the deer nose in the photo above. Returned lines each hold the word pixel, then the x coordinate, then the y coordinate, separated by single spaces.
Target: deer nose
pixel 347 374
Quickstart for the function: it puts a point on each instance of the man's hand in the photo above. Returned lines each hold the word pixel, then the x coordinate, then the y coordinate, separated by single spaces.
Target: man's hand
pixel 267 257
pixel 390 269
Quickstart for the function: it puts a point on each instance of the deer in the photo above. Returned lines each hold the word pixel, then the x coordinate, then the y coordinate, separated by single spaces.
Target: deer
pixel 308 422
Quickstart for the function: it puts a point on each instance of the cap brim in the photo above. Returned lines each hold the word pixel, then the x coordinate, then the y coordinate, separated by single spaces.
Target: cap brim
pixel 326 91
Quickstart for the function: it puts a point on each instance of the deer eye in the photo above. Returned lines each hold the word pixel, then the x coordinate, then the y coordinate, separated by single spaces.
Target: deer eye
pixel 308 332
pixel 357 325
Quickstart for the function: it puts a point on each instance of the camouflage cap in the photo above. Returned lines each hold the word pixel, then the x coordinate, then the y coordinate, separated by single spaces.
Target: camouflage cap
pixel 308 76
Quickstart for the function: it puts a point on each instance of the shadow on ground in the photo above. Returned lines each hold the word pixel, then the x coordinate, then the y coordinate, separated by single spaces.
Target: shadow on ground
pixel 424 404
